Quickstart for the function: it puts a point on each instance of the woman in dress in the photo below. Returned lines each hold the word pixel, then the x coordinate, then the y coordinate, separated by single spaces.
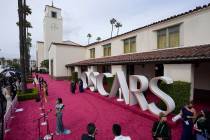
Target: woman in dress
pixel 8 97
pixel 44 86
pixel 59 122
pixel 188 113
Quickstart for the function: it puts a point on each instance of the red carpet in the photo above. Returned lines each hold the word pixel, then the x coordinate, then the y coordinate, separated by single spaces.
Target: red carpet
pixel 80 109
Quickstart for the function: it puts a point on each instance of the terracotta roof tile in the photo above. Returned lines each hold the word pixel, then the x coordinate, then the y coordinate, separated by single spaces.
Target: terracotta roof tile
pixel 184 54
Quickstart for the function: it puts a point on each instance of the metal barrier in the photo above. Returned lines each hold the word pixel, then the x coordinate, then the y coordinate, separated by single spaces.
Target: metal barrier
pixel 8 114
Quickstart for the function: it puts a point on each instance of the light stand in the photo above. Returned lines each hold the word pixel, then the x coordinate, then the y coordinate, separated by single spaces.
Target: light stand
pixel 39 128
pixel 48 136
pixel 120 99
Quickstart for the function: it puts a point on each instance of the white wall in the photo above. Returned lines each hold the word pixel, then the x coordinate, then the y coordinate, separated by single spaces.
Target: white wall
pixel 116 68
pixel 194 30
pixel 66 55
pixel 92 69
pixel 78 70
pixel 52 56
pixel 53 28
pixel 178 72
pixel 40 53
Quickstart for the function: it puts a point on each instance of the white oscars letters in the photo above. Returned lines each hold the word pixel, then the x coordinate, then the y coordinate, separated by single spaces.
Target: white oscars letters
pixel 134 95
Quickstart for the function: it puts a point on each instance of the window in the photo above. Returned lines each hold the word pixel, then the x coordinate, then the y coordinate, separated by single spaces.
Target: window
pixel 54 14
pixel 92 53
pixel 107 50
pixel 168 37
pixel 130 45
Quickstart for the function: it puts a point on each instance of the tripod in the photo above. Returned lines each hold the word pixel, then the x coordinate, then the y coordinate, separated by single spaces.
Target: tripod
pixel 48 136
pixel 39 128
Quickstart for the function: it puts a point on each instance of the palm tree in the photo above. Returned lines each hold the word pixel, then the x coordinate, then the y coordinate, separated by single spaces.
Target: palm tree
pixel 98 39
pixel 118 25
pixel 27 52
pixel 112 21
pixel 21 38
pixel 23 11
pixel 89 36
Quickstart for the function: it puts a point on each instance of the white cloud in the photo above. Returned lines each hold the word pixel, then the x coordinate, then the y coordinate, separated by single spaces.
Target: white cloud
pixel 86 16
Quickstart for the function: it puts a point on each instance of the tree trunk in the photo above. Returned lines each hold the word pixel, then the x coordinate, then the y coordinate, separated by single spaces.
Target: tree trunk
pixel 21 38
pixel 25 42
pixel 112 30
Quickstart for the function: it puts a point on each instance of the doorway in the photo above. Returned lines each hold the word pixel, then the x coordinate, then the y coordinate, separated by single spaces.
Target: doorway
pixel 159 70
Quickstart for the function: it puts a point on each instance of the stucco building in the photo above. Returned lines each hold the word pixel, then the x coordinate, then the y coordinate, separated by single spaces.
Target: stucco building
pixel 178 46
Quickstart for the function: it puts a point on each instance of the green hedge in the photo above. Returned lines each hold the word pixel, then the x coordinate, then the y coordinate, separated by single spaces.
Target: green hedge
pixel 28 95
pixel 43 71
pixel 179 92
pixel 70 78
pixel 109 83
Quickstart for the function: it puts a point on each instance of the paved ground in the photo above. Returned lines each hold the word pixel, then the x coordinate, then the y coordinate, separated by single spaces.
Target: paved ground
pixel 80 109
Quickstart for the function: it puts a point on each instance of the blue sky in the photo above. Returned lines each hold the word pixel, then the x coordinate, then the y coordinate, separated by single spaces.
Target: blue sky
pixel 81 17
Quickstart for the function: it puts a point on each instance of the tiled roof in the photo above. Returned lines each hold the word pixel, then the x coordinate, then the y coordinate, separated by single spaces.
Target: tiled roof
pixel 40 42
pixel 180 55
pixel 66 44
pixel 198 8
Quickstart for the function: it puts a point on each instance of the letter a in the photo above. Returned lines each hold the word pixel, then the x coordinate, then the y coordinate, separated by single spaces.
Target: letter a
pixel 120 82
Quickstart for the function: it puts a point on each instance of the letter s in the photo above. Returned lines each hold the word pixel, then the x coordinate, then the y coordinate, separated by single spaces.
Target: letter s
pixel 163 96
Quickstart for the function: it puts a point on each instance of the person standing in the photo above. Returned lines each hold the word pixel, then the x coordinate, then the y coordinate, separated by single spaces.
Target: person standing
pixel 116 129
pixel 188 113
pixel 73 87
pixel 17 83
pixel 40 83
pixel 3 106
pixel 44 89
pixel 59 120
pixel 201 126
pixel 160 129
pixel 91 132
pixel 35 81
pixel 8 96
pixel 81 89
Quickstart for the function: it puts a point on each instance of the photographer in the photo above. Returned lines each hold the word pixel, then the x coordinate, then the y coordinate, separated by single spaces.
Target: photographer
pixel 91 129
pixel 161 130
pixel 3 105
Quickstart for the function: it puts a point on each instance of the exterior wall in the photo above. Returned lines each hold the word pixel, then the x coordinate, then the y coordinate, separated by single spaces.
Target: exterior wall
pixel 202 76
pixel 147 70
pixel 178 72
pixel 78 70
pixel 65 55
pixel 52 56
pixel 53 28
pixel 40 53
pixel 116 68
pixel 194 30
pixel 92 69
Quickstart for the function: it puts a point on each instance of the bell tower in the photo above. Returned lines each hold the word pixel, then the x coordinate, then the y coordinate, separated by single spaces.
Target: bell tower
pixel 53 27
